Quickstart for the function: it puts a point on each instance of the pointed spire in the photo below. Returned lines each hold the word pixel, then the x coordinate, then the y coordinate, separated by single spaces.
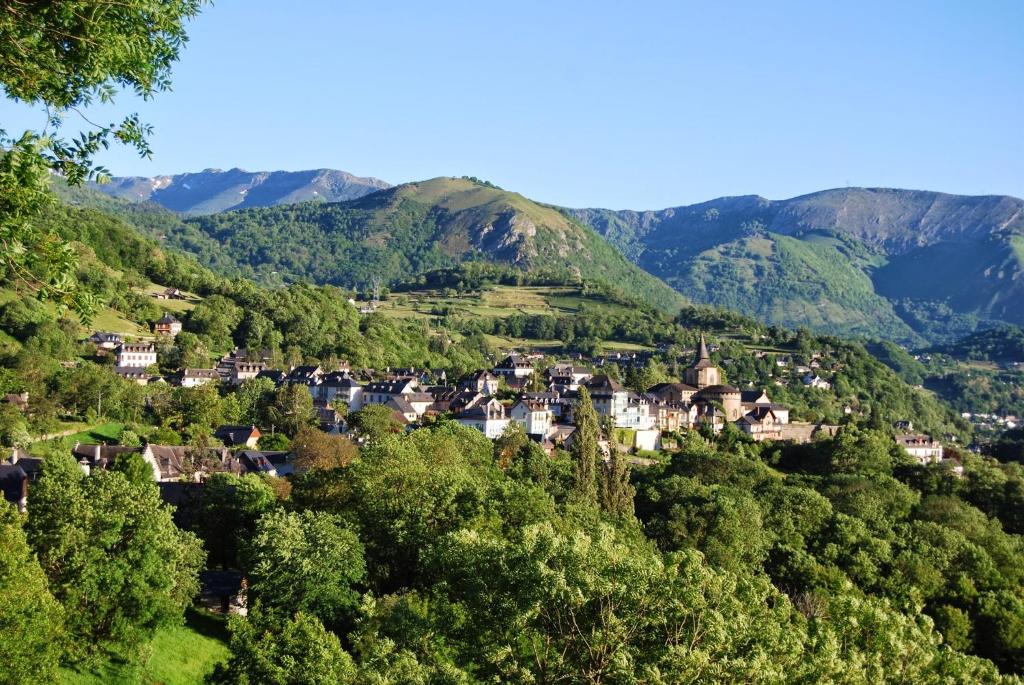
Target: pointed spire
pixel 703 354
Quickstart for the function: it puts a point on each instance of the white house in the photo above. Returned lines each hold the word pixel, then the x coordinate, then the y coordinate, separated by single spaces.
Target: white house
pixel 135 355
pixel 381 392
pixel 487 417
pixel 191 378
pixel 535 417
pixel 339 387
pixel 923 448
pixel 816 381
pixel 515 366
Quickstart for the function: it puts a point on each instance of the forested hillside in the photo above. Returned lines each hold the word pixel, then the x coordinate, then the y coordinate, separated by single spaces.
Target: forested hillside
pixel 395 234
pixel 911 266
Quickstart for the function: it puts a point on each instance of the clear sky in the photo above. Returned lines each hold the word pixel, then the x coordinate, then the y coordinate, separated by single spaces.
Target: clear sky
pixel 636 105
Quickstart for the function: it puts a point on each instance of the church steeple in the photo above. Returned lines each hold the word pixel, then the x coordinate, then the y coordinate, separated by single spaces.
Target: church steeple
pixel 703 352
pixel 702 373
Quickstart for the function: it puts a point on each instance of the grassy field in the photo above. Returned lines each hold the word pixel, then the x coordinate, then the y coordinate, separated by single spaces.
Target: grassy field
pixel 174 306
pixel 180 655
pixel 100 433
pixel 500 300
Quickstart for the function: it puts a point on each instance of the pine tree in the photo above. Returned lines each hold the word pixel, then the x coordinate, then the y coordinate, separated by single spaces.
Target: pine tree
pixel 585 449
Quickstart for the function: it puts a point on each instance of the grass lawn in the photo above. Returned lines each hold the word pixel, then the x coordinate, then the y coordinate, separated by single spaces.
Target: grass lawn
pixel 100 433
pixel 174 306
pixel 180 655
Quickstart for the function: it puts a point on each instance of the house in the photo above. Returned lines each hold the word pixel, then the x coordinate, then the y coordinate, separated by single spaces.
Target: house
pixel 402 407
pixel 677 393
pixel 257 461
pixel 138 355
pixel 421 402
pixel 105 341
pixel 191 378
pixel 340 387
pixel 241 371
pixel 815 381
pixel 566 376
pixel 169 294
pixel 514 366
pixel 380 392
pixel 167 325
pixel 236 436
pixel 137 374
pixel 93 456
pixel 481 381
pixel 488 417
pixel 32 466
pixel 923 448
pixel 535 417
pixel 174 463
pixel 277 376
pixel 14 485
pixel 755 400
pixel 305 375
pixel 608 395
pixel 761 424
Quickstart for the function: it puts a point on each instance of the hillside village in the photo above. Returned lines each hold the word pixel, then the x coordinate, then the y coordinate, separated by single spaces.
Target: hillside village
pixel 522 388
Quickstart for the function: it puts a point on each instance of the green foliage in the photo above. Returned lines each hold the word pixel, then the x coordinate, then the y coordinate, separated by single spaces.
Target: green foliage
pixel 307 563
pixel 297 651
pixel 65 57
pixel 375 421
pixel 585 450
pixel 31 620
pixel 230 509
pixel 112 555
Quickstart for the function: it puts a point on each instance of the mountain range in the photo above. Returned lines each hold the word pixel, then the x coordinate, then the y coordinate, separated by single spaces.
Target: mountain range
pixel 905 265
pixel 213 190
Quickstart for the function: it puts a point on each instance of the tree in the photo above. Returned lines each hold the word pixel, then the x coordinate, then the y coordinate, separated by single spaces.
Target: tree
pixel 254 396
pixel 314 449
pixel 375 421
pixel 134 467
pixel 65 56
pixel 296 651
pixel 585 448
pixel 291 409
pixel 112 555
pixel 31 620
pixel 510 443
pixel 308 562
pixel 616 491
pixel 230 508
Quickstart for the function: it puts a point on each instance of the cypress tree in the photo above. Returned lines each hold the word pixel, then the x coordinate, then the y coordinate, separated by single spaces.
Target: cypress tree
pixel 585 449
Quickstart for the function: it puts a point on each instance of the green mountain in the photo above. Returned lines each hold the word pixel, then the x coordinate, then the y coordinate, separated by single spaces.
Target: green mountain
pixel 912 266
pixel 214 190
pixel 395 234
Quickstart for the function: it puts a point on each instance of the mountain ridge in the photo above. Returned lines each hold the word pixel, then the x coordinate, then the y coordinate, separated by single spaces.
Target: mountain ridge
pixel 398 233
pixel 856 254
pixel 214 190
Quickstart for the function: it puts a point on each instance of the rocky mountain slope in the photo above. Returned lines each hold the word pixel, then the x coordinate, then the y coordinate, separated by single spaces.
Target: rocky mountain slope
pixel 213 190
pixel 903 264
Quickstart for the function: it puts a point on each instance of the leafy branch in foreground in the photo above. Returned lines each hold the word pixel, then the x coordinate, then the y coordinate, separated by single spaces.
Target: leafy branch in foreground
pixel 63 57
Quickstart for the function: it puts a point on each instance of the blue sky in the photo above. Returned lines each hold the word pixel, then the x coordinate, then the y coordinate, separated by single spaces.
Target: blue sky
pixel 624 105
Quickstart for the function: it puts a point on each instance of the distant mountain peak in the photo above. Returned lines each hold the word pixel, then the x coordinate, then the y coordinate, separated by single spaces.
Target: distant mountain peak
pixel 214 190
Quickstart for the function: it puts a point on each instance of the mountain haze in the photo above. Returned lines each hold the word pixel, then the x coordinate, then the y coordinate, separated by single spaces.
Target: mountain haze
pixel 213 190
pixel 905 264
